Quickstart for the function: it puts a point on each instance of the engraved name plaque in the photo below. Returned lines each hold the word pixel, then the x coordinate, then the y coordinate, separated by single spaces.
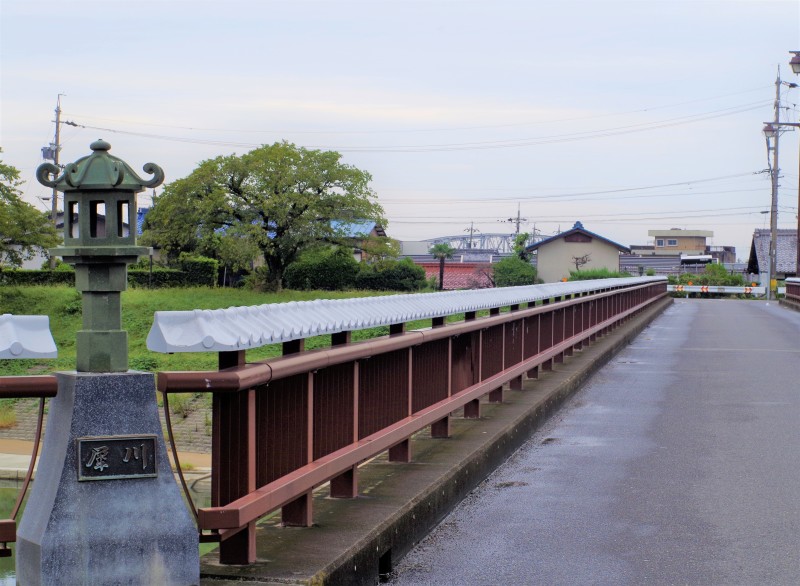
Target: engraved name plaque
pixel 116 457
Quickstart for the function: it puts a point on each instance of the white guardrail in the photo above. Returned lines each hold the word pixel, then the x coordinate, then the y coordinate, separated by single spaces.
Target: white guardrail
pixel 240 328
pixel 728 290
pixel 26 336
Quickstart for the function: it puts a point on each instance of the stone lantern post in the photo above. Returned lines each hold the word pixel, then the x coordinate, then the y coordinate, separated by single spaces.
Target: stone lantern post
pixel 105 508
pixel 100 240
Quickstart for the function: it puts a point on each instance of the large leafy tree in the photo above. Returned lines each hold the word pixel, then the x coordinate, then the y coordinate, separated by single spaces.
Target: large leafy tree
pixel 279 198
pixel 24 230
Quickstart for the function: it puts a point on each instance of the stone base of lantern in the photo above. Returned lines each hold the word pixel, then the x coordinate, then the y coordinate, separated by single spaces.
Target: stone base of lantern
pixel 105 508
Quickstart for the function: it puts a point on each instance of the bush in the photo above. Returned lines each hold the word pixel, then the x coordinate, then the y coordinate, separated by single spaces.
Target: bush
pixel 391 275
pixel 513 271
pixel 160 278
pixel 37 277
pixel 591 274
pixel 332 269
pixel 200 271
pixel 714 274
pixel 259 280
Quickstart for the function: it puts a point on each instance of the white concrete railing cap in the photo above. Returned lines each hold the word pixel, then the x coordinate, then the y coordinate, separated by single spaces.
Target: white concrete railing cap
pixel 240 328
pixel 26 336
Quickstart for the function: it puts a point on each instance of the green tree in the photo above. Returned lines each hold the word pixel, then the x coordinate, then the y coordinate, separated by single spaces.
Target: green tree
pixel 280 198
pixel 441 251
pixel 512 271
pixel 24 230
pixel 520 243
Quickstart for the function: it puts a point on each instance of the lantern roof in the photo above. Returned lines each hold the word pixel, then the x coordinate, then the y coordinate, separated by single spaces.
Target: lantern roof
pixel 100 170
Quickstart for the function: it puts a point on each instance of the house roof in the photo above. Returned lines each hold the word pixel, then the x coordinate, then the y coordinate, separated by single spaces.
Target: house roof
pixel 786 259
pixel 358 229
pixel 577 229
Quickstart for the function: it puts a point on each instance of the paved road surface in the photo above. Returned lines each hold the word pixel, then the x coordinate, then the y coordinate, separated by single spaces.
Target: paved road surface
pixel 679 463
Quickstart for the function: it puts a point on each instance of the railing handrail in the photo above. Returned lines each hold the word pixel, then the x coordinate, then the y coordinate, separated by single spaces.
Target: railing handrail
pixel 241 328
pixel 26 336
pixel 257 373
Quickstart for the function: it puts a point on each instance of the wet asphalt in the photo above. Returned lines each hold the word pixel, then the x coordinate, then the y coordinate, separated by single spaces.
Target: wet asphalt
pixel 677 463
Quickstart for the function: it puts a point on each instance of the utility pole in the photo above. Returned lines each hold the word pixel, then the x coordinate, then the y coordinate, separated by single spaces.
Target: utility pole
pixel 773 215
pixel 471 231
pixel 53 152
pixel 517 220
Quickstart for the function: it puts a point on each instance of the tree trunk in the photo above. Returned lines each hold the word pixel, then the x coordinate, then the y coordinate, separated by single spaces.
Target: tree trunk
pixel 441 274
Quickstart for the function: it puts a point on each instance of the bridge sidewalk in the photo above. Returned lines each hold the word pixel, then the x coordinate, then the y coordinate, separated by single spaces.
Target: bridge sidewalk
pixel 353 541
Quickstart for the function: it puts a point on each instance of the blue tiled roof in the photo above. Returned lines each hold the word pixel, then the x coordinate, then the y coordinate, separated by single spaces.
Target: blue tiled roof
pixel 577 228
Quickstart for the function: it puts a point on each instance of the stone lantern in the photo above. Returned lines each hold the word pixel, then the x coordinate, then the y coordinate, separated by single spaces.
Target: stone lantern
pixel 100 241
pixel 105 508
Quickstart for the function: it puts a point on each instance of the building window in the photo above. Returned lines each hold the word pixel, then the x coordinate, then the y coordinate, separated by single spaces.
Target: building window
pixel 659 243
pixel 672 243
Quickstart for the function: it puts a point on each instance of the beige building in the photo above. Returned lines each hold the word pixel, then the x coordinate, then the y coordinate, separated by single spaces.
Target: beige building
pixel 677 241
pixel 575 249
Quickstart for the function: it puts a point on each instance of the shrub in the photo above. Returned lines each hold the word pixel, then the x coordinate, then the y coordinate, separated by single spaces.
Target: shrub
pixel 332 269
pixel 391 275
pixel 37 277
pixel 602 273
pixel 160 278
pixel 259 280
pixel 200 271
pixel 8 417
pixel 513 271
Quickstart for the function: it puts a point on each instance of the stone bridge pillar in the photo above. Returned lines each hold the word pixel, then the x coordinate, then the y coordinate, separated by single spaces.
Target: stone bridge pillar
pixel 105 508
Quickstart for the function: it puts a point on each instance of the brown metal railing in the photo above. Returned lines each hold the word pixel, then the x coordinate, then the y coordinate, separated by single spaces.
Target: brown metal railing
pixel 283 426
pixel 793 289
pixel 21 387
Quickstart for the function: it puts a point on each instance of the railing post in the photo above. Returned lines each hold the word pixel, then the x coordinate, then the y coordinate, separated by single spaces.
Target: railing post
pixel 345 485
pixel 300 512
pixel 402 452
pixel 472 410
pixel 233 454
pixel 441 429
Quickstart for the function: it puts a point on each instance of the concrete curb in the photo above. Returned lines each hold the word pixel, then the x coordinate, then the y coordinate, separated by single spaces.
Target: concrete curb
pixel 354 541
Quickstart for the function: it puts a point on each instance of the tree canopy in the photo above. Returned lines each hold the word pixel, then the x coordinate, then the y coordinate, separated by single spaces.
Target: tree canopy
pixel 24 230
pixel 276 201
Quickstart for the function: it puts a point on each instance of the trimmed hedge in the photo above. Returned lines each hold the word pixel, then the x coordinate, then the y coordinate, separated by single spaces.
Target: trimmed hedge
pixel 200 271
pixel 161 277
pixel 21 277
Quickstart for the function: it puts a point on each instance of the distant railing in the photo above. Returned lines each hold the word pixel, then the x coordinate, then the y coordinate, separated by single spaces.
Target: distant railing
pixel 25 336
pixel 793 289
pixel 718 289
pixel 283 426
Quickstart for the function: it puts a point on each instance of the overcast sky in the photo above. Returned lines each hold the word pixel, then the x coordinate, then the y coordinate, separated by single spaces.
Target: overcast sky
pixel 625 115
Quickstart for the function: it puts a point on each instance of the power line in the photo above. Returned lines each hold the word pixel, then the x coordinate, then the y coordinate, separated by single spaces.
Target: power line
pixel 480 145
pixel 421 130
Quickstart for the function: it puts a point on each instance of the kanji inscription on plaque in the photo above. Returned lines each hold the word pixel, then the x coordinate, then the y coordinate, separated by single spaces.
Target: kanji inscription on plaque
pixel 116 457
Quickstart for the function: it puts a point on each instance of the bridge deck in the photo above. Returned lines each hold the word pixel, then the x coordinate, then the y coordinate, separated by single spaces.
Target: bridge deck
pixel 677 464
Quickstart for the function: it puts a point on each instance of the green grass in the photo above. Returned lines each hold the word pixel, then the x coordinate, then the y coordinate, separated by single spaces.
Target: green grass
pixel 63 305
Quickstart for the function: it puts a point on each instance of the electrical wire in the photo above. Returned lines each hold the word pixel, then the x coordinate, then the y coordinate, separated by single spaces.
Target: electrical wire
pixel 420 130
pixel 480 145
